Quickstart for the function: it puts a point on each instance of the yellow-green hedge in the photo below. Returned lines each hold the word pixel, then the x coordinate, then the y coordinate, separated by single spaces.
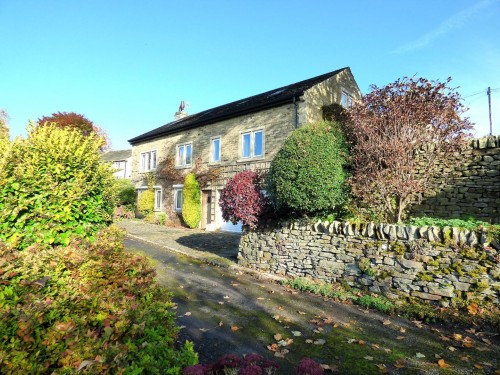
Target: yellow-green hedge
pixel 191 205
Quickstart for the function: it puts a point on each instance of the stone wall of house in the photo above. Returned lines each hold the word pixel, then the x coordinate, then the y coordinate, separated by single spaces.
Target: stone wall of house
pixel 328 92
pixel 277 124
pixel 424 262
pixel 468 185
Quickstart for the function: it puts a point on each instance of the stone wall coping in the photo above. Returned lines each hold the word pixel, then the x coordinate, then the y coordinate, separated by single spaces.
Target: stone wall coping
pixel 396 232
pixel 489 141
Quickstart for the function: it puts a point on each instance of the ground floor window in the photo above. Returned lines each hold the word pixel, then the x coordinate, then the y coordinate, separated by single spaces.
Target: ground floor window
pixel 158 195
pixel 178 197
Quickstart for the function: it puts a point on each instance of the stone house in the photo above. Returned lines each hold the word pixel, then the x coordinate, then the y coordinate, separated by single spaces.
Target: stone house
pixel 245 134
pixel 120 160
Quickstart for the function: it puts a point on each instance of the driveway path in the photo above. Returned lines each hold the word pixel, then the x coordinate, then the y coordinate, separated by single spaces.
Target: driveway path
pixel 224 310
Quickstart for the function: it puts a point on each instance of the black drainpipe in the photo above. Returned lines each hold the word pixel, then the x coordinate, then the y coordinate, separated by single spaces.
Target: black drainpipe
pixel 296 105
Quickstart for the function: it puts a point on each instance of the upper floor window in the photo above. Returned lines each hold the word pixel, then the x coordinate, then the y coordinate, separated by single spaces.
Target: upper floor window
pixel 184 155
pixel 346 100
pixel 252 144
pixel 148 161
pixel 215 151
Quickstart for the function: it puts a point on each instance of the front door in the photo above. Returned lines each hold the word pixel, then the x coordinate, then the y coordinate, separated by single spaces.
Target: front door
pixel 206 208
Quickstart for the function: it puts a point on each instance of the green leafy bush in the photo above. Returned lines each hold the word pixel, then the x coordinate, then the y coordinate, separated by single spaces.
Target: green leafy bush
pixel 53 185
pixel 126 193
pixel 87 306
pixel 191 204
pixel 146 202
pixel 307 175
pixel 469 223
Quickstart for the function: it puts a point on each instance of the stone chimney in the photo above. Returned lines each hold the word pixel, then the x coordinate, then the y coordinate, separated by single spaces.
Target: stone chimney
pixel 181 113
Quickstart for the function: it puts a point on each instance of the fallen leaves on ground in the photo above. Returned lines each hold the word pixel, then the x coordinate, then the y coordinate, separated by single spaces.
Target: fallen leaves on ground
pixel 400 363
pixel 417 323
pixel 468 342
pixel 473 309
pixel 443 364
pixel 234 328
pixel 331 368
pixel 285 342
pixel 281 353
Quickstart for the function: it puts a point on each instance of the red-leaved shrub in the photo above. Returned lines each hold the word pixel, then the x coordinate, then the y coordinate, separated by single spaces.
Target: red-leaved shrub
pixel 308 366
pixel 242 200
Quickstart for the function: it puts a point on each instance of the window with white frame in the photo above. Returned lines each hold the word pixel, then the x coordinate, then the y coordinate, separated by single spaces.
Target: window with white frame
pixel 346 100
pixel 158 195
pixel 178 197
pixel 148 161
pixel 184 155
pixel 158 199
pixel 252 144
pixel 215 151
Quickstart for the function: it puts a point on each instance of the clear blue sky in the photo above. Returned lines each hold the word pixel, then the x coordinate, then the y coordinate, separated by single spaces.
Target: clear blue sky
pixel 126 65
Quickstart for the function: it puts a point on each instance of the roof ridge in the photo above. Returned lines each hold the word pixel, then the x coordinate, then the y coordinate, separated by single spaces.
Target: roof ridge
pixel 262 100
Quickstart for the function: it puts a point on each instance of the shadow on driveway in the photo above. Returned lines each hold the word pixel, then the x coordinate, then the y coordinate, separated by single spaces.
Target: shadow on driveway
pixel 219 243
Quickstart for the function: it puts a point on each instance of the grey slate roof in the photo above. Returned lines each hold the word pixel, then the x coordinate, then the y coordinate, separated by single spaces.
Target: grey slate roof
pixel 117 155
pixel 268 99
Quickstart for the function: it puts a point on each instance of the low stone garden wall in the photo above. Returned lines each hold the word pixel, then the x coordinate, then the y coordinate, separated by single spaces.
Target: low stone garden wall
pixel 425 262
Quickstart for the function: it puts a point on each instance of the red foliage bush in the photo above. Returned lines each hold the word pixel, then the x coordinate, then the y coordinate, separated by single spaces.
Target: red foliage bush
pixel 308 366
pixel 242 200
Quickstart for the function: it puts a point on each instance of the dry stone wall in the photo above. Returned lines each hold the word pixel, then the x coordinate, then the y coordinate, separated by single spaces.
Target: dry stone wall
pixel 468 185
pixel 424 262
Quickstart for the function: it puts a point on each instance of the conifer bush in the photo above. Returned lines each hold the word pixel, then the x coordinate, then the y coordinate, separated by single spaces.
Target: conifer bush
pixel 146 202
pixel 242 199
pixel 53 185
pixel 191 204
pixel 308 174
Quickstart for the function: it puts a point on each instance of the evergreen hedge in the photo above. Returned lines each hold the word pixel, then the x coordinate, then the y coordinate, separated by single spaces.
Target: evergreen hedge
pixel 308 175
pixel 146 202
pixel 191 204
